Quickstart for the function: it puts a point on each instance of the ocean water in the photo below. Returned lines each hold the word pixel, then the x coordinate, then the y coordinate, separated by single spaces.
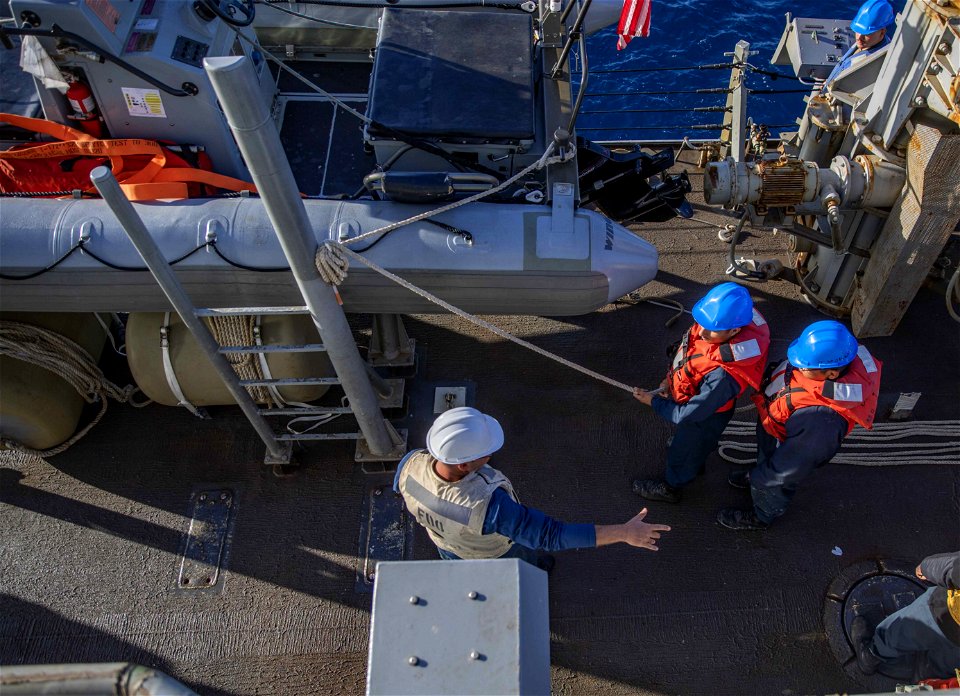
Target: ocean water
pixel 689 33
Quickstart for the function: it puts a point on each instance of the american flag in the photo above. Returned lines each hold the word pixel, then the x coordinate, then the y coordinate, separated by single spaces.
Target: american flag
pixel 634 21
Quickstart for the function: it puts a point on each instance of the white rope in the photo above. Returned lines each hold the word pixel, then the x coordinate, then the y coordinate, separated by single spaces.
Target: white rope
pixel 877 447
pixel 67 360
pixel 335 249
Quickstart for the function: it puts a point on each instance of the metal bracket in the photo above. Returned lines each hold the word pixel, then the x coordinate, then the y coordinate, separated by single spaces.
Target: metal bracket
pixel 285 457
pixel 395 398
pixel 364 455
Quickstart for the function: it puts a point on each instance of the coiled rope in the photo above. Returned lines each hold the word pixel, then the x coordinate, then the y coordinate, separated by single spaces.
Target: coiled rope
pixel 69 361
pixel 238 331
pixel 877 447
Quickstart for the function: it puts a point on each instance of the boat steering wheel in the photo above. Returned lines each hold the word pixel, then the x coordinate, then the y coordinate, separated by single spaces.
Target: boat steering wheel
pixel 238 13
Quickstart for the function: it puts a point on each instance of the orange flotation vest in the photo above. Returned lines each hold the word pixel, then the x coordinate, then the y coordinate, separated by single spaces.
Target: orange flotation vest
pixel 853 395
pixel 145 169
pixel 744 357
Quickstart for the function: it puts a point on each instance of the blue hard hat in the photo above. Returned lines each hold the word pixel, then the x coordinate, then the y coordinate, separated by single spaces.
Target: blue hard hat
pixel 823 345
pixel 727 306
pixel 872 16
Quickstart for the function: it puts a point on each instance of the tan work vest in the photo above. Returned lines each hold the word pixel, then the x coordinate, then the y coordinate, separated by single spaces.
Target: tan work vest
pixel 453 512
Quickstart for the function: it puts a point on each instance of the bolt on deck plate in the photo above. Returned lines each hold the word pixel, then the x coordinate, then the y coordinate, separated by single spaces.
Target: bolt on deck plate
pixel 206 539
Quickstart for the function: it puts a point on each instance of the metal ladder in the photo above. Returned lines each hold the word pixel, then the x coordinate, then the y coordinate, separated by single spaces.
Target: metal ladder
pixel 389 391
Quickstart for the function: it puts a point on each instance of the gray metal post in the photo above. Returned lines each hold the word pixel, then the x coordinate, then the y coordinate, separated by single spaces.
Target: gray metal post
pixel 236 86
pixel 736 114
pixel 108 187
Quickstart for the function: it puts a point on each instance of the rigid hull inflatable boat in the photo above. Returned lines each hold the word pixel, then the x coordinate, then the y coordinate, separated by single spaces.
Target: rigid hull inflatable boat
pixel 501 259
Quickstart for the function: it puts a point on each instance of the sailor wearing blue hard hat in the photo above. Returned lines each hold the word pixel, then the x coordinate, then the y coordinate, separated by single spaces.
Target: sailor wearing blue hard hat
pixel 872 26
pixel 806 406
pixel 722 354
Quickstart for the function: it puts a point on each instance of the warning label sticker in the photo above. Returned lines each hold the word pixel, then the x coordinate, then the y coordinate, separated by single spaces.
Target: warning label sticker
pixel 144 102
pixel 107 13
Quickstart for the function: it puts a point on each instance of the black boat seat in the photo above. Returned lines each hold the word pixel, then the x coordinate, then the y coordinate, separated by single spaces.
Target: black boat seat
pixel 453 76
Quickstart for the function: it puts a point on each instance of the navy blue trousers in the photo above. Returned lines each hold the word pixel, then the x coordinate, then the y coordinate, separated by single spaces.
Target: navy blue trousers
pixel 773 489
pixel 692 444
pixel 912 635
pixel 516 551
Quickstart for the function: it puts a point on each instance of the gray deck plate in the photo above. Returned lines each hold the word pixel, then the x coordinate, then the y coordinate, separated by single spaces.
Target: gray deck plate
pixel 89 539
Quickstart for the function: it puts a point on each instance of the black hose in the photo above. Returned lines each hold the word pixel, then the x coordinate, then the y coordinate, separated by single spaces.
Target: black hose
pixel 28 276
pixel 118 267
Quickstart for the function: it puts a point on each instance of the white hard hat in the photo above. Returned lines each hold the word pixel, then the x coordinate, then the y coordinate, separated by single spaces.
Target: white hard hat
pixel 463 434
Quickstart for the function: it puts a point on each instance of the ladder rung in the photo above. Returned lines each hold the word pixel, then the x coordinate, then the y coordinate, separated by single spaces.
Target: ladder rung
pixel 319 436
pixel 288 381
pixel 318 411
pixel 245 311
pixel 305 348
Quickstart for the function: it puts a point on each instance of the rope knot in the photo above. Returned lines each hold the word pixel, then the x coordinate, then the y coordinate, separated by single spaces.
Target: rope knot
pixel 332 263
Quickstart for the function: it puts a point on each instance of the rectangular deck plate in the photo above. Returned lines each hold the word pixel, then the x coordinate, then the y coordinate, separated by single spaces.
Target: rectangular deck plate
pixel 206 538
pixel 445 398
pixel 386 533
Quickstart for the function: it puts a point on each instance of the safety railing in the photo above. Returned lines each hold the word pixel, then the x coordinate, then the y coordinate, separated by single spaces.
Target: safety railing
pixel 598 121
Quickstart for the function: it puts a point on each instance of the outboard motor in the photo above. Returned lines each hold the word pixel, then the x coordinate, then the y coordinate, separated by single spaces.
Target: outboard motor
pixel 625 186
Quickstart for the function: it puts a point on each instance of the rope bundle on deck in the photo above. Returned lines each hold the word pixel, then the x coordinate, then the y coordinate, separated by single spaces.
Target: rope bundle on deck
pixel 882 446
pixel 67 360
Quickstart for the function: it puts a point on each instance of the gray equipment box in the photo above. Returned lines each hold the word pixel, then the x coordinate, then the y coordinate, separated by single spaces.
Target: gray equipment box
pixel 813 47
pixel 459 627
pixel 165 39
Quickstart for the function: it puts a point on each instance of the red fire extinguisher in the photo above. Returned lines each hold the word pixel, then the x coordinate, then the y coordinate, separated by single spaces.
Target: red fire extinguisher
pixel 84 107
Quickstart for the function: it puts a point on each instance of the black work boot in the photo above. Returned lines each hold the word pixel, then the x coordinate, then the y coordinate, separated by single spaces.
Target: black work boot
pixel 546 562
pixel 656 489
pixel 861 636
pixel 741 520
pixel 739 479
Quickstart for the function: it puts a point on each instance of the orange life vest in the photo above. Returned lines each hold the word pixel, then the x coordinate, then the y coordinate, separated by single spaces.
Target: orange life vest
pixel 744 357
pixel 145 169
pixel 853 395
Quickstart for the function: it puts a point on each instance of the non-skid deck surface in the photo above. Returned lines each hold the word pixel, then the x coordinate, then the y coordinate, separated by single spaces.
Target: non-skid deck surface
pixel 91 539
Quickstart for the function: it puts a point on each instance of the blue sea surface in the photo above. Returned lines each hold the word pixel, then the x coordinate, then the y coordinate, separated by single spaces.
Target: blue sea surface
pixel 690 33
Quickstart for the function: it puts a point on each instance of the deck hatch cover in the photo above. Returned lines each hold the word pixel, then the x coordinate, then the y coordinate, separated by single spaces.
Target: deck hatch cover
pixel 386 533
pixel 452 75
pixel 206 538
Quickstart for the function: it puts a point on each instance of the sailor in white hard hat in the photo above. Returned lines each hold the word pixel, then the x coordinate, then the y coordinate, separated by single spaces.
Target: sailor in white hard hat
pixel 470 509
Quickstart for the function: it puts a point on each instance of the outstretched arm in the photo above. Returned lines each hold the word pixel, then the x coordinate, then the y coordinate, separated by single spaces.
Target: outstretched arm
pixel 636 532
pixel 534 529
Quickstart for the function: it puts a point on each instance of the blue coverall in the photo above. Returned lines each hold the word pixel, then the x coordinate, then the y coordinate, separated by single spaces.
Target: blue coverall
pixel 529 529
pixel 913 636
pixel 699 426
pixel 847 60
pixel 814 435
